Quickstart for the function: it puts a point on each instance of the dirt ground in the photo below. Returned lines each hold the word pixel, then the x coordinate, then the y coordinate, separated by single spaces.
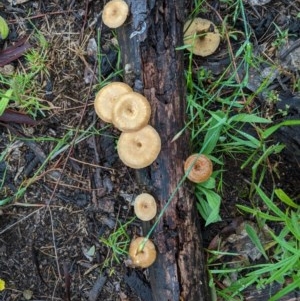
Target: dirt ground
pixel 50 246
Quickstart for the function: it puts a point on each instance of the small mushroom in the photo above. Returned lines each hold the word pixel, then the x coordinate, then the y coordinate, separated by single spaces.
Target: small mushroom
pixel 131 112
pixel 142 252
pixel 198 167
pixel 145 206
pixel 106 98
pixel 115 13
pixel 201 36
pixel 139 149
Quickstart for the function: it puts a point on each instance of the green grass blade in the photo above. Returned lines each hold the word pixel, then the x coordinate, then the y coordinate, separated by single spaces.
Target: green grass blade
pixel 212 136
pixel 292 287
pixel 251 118
pixel 270 203
pixel 255 239
pixel 268 132
pixel 286 245
pixel 260 214
pixel 285 198
pixel 293 224
pixel 5 100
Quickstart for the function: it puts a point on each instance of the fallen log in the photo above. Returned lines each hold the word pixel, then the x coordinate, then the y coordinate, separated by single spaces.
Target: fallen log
pixel 154 67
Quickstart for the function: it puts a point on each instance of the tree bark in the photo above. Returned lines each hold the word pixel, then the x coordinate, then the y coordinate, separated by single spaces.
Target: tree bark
pixel 155 68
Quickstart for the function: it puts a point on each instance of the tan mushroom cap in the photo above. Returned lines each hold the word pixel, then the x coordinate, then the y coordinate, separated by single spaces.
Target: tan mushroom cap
pixel 139 149
pixel 145 207
pixel 115 13
pixel 199 168
pixel 106 98
pixel 141 256
pixel 202 36
pixel 131 112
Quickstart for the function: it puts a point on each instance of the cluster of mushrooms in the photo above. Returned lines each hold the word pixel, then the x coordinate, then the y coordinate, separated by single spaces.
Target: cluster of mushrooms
pixel 138 146
pixel 142 250
pixel 139 143
pixel 202 38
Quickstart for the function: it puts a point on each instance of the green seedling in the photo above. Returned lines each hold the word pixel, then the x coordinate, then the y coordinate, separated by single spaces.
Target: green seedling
pixel 282 36
pixel 24 84
pixel 282 262
pixel 118 242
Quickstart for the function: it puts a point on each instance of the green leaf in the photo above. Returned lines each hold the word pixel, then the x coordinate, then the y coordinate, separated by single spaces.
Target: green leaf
pixel 209 184
pixel 260 214
pixel 255 239
pixel 285 198
pixel 241 142
pixel 209 207
pixel 5 100
pixel 270 203
pixel 268 132
pixel 293 225
pixel 4 30
pixel 282 271
pixel 249 137
pixel 285 245
pixel 251 118
pixel 212 136
pixel 288 289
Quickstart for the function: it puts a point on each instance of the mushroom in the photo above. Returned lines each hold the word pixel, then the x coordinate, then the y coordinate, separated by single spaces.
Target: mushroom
pixel 115 13
pixel 106 98
pixel 201 36
pixel 139 149
pixel 131 112
pixel 198 167
pixel 142 252
pixel 145 206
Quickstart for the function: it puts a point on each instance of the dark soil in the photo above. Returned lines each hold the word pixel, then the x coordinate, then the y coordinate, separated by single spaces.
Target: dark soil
pixel 50 246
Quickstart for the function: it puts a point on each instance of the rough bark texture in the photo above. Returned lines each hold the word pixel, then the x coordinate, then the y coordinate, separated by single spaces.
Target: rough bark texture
pixel 154 67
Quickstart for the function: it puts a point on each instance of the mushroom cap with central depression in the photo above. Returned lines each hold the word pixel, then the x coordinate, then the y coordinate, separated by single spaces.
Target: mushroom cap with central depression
pixel 139 149
pixel 201 36
pixel 115 13
pixel 142 252
pixel 145 207
pixel 107 97
pixel 198 168
pixel 131 112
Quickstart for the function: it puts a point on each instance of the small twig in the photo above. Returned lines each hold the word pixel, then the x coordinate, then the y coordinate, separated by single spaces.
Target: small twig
pixel 54 242
pixel 84 20
pixel 21 220
pixel 42 15
pixel 93 165
pixel 67 282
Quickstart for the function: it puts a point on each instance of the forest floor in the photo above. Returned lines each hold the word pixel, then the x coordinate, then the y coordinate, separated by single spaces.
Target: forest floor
pixel 66 216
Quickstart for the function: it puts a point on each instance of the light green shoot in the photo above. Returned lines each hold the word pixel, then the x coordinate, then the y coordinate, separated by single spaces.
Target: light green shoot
pixel 118 242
